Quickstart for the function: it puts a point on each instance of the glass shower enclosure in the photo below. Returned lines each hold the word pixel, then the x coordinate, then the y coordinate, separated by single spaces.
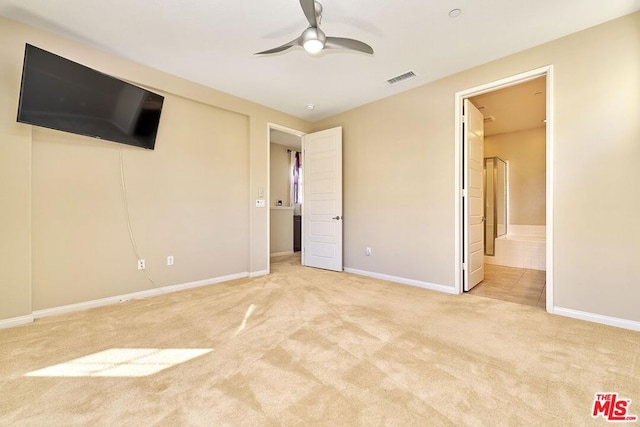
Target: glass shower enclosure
pixel 495 202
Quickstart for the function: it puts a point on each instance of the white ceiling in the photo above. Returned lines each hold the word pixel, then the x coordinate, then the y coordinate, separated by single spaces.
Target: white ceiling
pixel 212 41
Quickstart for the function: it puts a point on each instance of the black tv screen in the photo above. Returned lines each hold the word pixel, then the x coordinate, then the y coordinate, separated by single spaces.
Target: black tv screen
pixel 60 94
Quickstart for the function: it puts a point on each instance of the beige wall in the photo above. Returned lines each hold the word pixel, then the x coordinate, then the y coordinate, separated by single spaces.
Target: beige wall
pixel 62 218
pixel 281 237
pixel 399 171
pixel 187 198
pixel 280 180
pixel 525 152
pixel 15 218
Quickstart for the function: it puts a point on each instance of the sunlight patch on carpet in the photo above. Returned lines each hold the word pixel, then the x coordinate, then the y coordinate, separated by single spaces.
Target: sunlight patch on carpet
pixel 249 312
pixel 122 362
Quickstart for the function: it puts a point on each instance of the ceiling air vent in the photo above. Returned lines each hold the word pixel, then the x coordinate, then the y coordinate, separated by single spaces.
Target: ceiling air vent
pixel 490 119
pixel 401 78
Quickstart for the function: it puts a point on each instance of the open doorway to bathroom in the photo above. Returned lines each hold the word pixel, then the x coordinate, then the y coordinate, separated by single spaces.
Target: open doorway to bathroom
pixel 516 186
pixel 514 192
pixel 285 194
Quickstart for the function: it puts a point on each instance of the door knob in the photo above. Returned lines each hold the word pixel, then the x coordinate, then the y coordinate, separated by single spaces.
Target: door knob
pixel 336 217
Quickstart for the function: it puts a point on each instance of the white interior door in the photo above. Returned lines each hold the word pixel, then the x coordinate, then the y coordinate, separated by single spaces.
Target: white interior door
pixel 322 199
pixel 474 199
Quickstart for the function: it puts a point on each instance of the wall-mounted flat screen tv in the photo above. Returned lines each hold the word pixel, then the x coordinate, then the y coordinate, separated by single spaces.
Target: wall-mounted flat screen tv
pixel 60 94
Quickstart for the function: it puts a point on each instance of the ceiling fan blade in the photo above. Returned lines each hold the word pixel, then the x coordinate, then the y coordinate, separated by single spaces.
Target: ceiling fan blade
pixel 292 43
pixel 342 43
pixel 309 9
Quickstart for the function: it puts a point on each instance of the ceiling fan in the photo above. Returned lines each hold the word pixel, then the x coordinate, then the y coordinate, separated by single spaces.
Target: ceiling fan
pixel 313 40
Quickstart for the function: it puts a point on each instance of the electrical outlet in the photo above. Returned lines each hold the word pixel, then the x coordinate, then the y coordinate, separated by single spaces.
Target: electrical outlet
pixel 141 265
pixel 170 260
pixel 368 251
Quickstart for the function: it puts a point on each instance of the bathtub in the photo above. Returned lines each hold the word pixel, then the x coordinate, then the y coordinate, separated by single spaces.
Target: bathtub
pixel 524 247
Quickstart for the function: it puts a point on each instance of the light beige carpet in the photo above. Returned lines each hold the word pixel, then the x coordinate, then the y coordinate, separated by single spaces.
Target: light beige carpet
pixel 310 347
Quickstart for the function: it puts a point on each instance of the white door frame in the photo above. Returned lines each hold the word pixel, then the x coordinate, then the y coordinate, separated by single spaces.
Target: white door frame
pixel 459 220
pixel 268 189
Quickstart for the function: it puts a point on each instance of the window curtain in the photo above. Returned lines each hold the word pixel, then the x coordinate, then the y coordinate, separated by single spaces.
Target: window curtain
pixel 296 178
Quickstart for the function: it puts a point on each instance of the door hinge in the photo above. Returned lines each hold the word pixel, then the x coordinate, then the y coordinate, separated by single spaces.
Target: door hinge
pixel 464 193
pixel 464 119
pixel 464 266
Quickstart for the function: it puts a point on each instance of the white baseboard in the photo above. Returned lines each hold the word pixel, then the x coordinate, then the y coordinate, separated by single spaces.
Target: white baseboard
pixel 54 311
pixel 402 280
pixel 70 308
pixel 16 321
pixel 199 283
pixel 281 253
pixel 597 318
pixel 258 273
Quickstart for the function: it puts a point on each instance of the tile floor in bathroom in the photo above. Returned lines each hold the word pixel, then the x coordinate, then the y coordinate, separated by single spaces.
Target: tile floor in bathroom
pixel 519 285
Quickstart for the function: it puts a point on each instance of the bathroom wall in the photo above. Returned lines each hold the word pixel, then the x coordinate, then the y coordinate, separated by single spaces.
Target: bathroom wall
pixel 280 174
pixel 526 154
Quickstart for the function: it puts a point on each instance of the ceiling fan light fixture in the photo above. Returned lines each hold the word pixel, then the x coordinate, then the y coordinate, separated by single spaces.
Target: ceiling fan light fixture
pixel 313 40
pixel 313 46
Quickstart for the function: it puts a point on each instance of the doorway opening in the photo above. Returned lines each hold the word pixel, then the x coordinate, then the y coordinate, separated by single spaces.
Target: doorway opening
pixel 514 204
pixel 284 196
pixel 319 203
